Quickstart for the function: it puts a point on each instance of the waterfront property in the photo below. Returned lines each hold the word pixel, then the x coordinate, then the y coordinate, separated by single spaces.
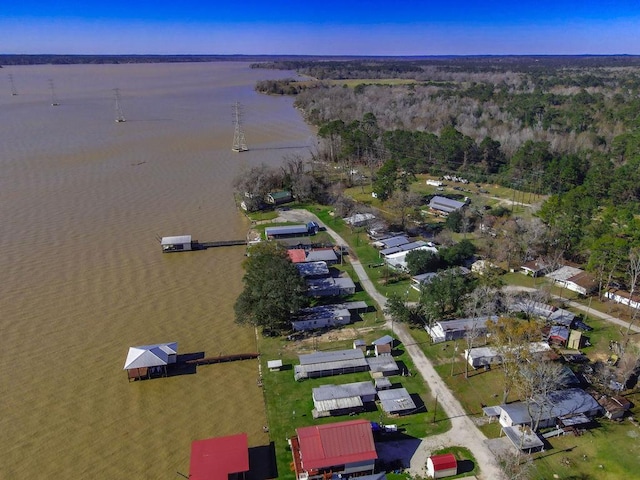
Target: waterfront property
pixel 180 243
pixel 219 458
pixel 324 364
pixel 343 448
pixel 326 316
pixel 148 361
pixel 288 231
pixel 342 399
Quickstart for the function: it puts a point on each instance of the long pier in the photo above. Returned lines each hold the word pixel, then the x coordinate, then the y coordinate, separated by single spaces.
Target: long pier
pixel 220 243
pixel 223 358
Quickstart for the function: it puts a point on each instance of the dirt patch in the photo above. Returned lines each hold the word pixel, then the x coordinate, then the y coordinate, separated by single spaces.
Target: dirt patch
pixel 312 342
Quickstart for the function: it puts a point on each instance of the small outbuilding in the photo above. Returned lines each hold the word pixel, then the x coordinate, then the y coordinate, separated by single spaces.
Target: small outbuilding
pixel 274 365
pixel 396 401
pixel 440 466
pixel 180 243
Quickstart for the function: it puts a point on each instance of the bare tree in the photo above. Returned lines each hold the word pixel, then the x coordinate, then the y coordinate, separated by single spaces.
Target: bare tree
pixel 633 275
pixel 516 465
pixel 403 203
pixel 255 183
pixel 537 378
pixel 482 301
pixel 511 338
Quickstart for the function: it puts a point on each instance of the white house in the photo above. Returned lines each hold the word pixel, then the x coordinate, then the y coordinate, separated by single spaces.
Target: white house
pixel 624 297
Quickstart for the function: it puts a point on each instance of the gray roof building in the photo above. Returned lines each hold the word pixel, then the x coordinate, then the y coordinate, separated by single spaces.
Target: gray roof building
pixel 324 364
pixel 396 401
pixel 561 405
pixel 445 205
pixel 329 399
pixel 330 286
pixel 313 269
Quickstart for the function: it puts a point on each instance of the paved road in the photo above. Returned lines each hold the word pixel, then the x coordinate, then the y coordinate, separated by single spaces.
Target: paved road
pixel 464 432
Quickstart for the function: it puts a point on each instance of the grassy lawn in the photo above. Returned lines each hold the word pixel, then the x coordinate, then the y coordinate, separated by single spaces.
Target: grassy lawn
pixel 607 451
pixel 289 403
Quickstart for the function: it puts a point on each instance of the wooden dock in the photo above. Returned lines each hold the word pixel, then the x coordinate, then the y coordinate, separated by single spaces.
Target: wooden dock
pixel 219 243
pixel 223 358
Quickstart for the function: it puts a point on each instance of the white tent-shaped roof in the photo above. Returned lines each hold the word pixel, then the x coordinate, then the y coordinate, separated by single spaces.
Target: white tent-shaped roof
pixel 151 355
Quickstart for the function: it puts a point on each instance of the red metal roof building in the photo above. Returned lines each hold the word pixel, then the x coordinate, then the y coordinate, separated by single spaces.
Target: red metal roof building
pixel 219 458
pixel 343 447
pixel 439 466
pixel 297 255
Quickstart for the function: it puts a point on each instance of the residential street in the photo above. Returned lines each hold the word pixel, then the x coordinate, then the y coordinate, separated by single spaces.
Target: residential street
pixel 463 432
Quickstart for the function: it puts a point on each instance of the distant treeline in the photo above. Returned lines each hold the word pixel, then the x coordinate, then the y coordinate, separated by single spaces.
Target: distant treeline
pixel 415 67
pixel 43 59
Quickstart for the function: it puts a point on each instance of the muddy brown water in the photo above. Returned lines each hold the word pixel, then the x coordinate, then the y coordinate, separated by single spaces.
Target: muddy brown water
pixel 82 202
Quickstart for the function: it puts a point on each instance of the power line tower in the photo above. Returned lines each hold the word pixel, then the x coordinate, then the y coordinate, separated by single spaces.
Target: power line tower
pixel 14 92
pixel 54 99
pixel 119 115
pixel 239 142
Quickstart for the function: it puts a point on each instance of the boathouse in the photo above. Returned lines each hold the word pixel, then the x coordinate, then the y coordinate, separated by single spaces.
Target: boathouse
pixel 147 361
pixel 180 243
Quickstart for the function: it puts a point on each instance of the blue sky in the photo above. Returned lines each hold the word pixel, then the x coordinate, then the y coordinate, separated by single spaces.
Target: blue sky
pixel 329 27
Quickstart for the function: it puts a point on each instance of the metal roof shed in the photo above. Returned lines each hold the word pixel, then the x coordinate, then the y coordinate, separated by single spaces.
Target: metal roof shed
pixel 396 401
pixel 440 466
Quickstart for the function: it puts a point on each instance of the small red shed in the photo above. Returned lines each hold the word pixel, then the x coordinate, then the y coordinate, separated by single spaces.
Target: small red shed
pixel 440 466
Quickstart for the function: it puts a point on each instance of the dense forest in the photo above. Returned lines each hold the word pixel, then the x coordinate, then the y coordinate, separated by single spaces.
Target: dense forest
pixel 565 127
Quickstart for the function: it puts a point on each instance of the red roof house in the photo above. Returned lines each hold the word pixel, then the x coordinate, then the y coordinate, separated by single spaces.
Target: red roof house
pixel 219 458
pixel 439 466
pixel 343 447
pixel 297 255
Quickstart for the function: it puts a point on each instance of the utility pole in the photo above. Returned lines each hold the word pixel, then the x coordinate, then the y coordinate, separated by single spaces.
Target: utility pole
pixel 14 92
pixel 54 99
pixel 119 115
pixel 239 142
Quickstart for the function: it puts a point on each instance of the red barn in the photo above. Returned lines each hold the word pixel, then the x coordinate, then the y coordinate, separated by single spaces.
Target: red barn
pixel 439 466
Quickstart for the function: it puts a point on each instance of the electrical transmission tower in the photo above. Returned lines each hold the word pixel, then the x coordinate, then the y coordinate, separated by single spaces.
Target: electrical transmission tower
pixel 119 115
pixel 14 92
pixel 239 143
pixel 54 99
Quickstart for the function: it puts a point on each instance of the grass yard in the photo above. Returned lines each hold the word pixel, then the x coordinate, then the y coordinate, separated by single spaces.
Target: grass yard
pixel 608 451
pixel 289 403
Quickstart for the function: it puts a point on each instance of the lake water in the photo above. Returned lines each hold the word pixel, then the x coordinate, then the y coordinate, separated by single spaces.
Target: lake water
pixel 83 200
